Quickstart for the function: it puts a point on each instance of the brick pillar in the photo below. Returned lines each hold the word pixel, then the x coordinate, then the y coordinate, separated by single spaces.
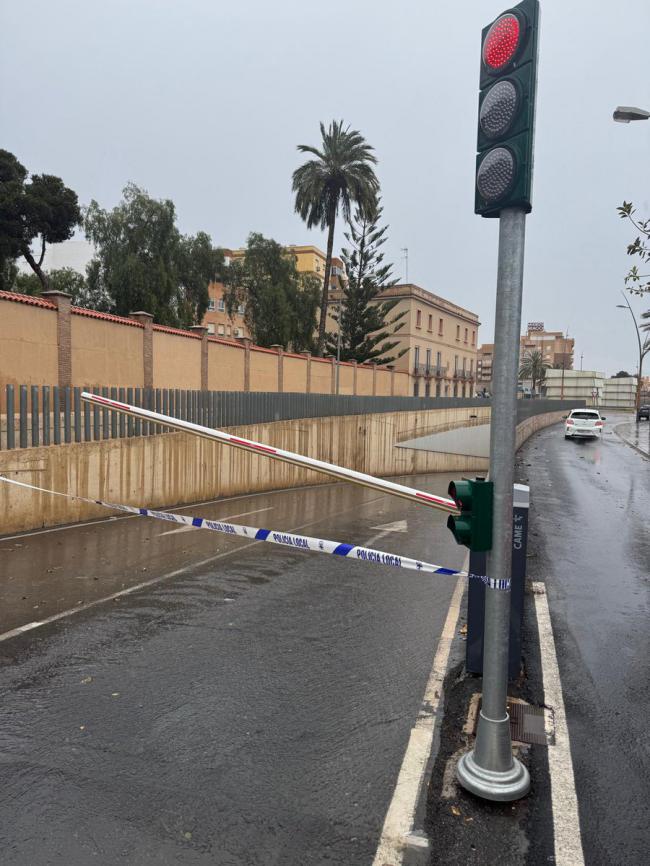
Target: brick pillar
pixel 62 302
pixel 354 377
pixel 202 332
pixel 332 361
pixel 279 350
pixel 146 319
pixel 247 364
pixel 307 372
pixel 374 378
pixel 391 367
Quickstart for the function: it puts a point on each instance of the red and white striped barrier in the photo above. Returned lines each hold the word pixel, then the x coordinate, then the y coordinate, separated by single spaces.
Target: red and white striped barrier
pixel 340 472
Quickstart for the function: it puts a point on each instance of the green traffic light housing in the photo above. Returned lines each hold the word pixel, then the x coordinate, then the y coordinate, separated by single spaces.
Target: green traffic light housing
pixel 504 164
pixel 473 528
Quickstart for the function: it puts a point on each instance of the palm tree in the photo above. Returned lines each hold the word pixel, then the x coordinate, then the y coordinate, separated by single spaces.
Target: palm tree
pixel 533 367
pixel 341 174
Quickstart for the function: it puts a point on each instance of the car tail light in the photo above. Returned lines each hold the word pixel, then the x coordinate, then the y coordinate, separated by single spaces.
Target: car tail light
pixel 599 423
pixel 569 422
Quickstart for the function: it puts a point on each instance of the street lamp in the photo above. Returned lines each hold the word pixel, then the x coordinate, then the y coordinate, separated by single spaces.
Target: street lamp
pixel 644 348
pixel 626 113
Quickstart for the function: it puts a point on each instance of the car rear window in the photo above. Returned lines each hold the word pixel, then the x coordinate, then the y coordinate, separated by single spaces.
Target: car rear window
pixel 586 415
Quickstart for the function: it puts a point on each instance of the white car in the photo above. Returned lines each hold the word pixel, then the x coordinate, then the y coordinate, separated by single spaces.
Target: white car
pixel 583 424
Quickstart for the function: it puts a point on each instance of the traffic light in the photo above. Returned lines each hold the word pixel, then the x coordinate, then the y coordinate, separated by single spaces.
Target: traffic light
pixel 474 526
pixel 506 115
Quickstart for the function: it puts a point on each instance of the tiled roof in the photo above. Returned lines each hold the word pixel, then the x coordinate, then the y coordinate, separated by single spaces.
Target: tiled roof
pixel 178 331
pixel 28 299
pixel 107 317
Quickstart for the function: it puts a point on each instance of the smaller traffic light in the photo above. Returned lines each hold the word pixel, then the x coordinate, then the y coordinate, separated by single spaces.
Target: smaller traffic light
pixel 474 526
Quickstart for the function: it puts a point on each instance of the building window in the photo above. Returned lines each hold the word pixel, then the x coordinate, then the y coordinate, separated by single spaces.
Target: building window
pixel 440 327
pixel 238 332
pixel 464 360
pixel 471 365
pixel 465 340
pixel 430 328
pixel 416 357
pixel 418 319
pixel 211 304
pixel 221 306
pixel 416 388
pixel 455 389
pixel 438 360
pixel 428 361
pixel 446 390
pixel 221 330
pixel 228 330
pixel 455 365
pixel 210 328
pixel 473 338
pixel 463 389
pixel 458 333
pixel 427 388
pixel 438 388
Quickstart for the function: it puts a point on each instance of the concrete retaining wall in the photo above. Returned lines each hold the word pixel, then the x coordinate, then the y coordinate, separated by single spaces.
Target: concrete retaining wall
pixel 171 469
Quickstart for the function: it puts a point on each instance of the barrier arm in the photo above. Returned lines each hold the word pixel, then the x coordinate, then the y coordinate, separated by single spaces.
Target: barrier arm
pixel 422 498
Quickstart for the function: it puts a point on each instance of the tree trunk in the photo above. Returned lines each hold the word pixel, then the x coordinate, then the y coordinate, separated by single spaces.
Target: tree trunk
pixel 35 266
pixel 326 286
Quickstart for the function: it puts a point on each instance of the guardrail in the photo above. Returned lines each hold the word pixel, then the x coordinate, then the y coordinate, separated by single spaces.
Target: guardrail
pixel 43 415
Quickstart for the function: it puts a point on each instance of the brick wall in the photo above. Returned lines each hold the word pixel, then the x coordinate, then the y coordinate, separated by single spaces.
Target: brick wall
pixel 46 341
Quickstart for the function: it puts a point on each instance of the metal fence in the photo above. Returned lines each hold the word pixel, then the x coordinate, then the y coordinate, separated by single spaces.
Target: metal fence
pixel 44 415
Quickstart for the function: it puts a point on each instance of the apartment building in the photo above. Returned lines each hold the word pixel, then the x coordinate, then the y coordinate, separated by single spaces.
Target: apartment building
pixel 556 349
pixel 555 346
pixel 309 260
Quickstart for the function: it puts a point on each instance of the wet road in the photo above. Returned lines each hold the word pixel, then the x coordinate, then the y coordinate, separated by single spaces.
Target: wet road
pixel 591 535
pixel 251 705
pixel 635 433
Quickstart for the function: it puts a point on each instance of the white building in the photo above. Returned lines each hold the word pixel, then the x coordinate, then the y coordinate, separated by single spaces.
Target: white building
pixel 591 386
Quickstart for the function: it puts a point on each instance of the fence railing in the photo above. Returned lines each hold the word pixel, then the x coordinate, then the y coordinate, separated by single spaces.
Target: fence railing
pixel 43 415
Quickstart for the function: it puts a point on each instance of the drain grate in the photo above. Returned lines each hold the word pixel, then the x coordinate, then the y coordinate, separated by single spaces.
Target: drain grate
pixel 528 724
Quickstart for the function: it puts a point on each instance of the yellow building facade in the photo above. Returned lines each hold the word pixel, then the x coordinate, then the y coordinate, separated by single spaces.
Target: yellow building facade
pixel 440 339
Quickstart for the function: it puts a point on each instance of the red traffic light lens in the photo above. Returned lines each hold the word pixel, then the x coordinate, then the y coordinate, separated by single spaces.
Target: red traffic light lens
pixel 502 42
pixel 496 174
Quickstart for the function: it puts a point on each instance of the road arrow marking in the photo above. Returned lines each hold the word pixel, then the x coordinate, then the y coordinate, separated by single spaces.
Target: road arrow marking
pixel 398 526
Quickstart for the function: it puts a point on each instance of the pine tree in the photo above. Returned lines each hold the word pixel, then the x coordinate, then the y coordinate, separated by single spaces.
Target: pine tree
pixel 365 321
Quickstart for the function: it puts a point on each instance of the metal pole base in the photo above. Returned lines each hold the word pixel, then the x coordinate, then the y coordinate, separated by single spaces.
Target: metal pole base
pixel 490 771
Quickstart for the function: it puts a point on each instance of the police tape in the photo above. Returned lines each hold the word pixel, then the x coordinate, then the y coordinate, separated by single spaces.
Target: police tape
pixel 281 537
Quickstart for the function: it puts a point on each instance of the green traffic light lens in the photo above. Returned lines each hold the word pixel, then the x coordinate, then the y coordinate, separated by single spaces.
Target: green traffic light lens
pixel 496 174
pixel 499 109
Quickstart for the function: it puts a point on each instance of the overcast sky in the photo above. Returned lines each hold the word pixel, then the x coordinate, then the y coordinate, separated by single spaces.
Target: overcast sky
pixel 204 102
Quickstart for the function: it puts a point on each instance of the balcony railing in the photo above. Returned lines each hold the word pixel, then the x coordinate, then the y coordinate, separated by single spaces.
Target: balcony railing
pixel 429 370
pixel 464 374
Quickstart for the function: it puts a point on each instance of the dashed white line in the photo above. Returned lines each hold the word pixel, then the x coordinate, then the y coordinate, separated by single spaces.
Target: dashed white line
pixel 564 801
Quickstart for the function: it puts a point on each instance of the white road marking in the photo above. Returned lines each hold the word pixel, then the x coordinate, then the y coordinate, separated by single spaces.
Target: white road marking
pixel 30 626
pixel 564 801
pixel 101 520
pixel 222 519
pixel 397 526
pixel 386 529
pixel 398 825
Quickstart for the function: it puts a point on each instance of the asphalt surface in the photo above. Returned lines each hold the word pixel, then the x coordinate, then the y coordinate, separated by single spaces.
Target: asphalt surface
pixel 590 509
pixel 250 705
pixel 589 543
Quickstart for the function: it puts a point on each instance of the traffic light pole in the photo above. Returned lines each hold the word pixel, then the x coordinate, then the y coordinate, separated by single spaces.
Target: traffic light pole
pixel 490 770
